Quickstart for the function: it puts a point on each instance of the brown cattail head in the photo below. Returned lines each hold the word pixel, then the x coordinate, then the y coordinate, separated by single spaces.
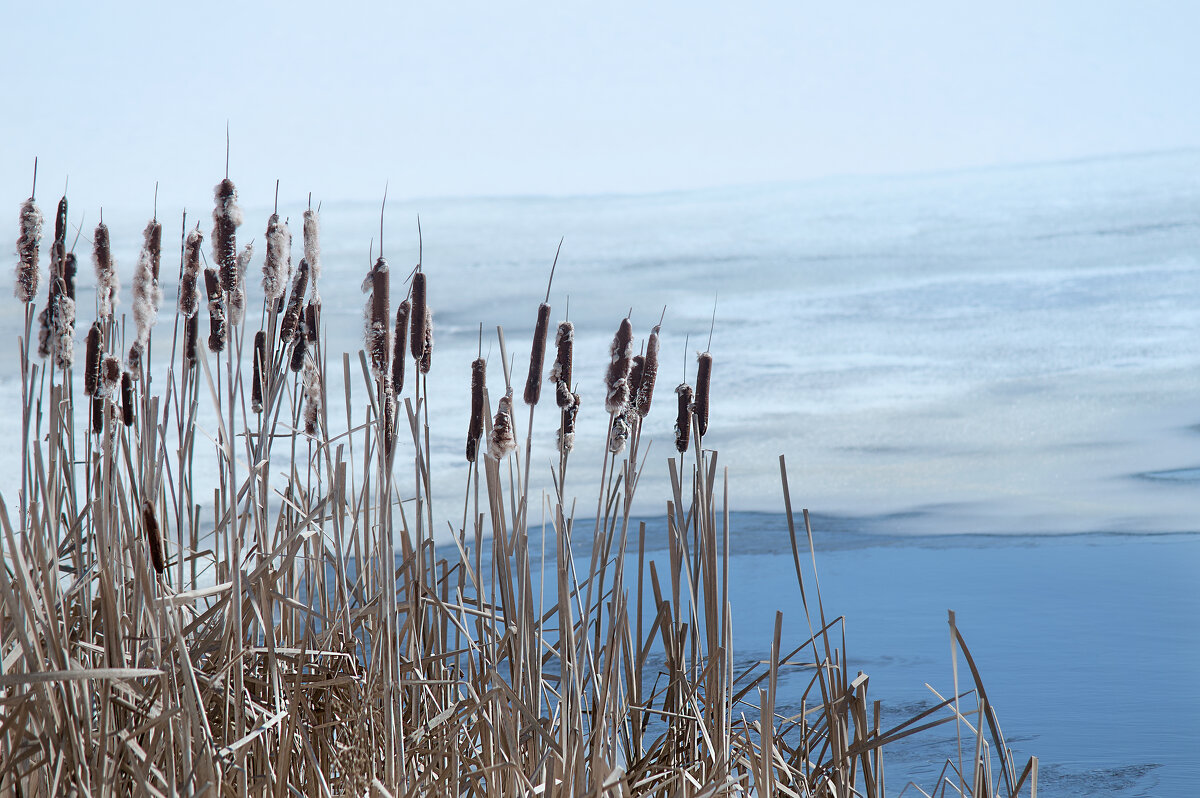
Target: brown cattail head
pixel 566 432
pixel 312 319
pixel 110 376
pixel 236 299
pixel 290 325
pixel 191 332
pixel 97 403
pixel 57 319
pixel 153 537
pixel 635 379
pixel 645 391
pixel 188 301
pixel 618 434
pixel 70 269
pixel 216 311
pixel 427 350
pixel 683 421
pixel 389 423
pixel 417 320
pixel 108 285
pixel 617 378
pixel 60 223
pixel 537 356
pixel 275 267
pixel 311 381
pixel 475 429
pixel 312 245
pixel 502 441
pixel 260 364
pixel 28 242
pixel 703 378
pixel 126 399
pixel 377 329
pixel 299 350
pixel 134 359
pixel 560 372
pixel 92 357
pixel 400 347
pixel 147 296
pixel 227 217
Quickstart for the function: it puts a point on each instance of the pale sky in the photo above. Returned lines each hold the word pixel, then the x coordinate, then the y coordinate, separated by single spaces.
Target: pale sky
pixel 566 97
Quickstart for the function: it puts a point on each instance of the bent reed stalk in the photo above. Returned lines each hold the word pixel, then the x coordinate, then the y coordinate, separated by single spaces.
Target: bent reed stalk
pixel 290 626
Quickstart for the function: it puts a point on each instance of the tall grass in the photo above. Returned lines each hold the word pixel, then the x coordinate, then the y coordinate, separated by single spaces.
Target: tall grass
pixel 301 632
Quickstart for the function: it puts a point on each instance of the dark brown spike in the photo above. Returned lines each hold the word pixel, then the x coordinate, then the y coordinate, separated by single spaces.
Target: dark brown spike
pixel 635 379
pixel 191 331
pixel 97 414
pixel 60 223
pixel 224 237
pixel 560 372
pixel 400 347
pixel 154 247
pixel 645 392
pixel 299 350
pixel 70 269
pixel 417 319
pixel 153 537
pixel 703 378
pixel 475 429
pixel 126 399
pixel 290 325
pixel 312 321
pixel 617 378
pixel 93 354
pixel 683 421
pixel 427 350
pixel 537 356
pixel 260 362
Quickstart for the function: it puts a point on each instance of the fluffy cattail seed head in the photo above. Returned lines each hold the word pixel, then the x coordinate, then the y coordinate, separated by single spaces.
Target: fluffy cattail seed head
pixel 312 245
pixel 147 296
pixel 311 381
pixel 417 320
pixel 635 378
pixel 108 285
pixel 227 217
pixel 617 378
pixel 28 243
pixel 566 432
pixel 537 356
pixel 427 350
pixel 703 378
pixel 275 267
pixel 400 347
pixel 683 421
pixel 475 429
pixel 618 434
pixel 92 357
pixel 560 372
pixel 216 311
pixel 377 329
pixel 237 296
pixel 110 376
pixel 188 301
pixel 502 440
pixel 290 325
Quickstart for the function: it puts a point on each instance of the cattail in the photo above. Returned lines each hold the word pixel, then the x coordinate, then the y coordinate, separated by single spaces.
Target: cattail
pixel 312 319
pixel 227 217
pixel 92 359
pixel 703 378
pixel 566 433
pixel 502 441
pixel 635 379
pixel 537 356
pixel 28 242
pixel 153 537
pixel 560 372
pixel 147 296
pixel 683 421
pixel 189 305
pixel 618 434
pixel 70 269
pixel 260 362
pixel 389 423
pixel 216 311
pixel 291 318
pixel 191 332
pixel 475 429
pixel 97 414
pixel 60 223
pixel 57 321
pixel 110 376
pixel 299 350
pixel 376 316
pixel 237 296
pixel 427 349
pixel 126 399
pixel 417 321
pixel 312 245
pixel 617 378
pixel 400 347
pixel 108 284
pixel 312 396
pixel 645 391
pixel 275 267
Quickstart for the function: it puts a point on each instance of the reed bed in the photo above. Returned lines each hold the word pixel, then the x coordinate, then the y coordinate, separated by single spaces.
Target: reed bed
pixel 313 630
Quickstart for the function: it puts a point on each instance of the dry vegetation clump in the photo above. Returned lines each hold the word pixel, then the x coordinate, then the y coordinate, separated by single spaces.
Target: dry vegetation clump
pixel 297 631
